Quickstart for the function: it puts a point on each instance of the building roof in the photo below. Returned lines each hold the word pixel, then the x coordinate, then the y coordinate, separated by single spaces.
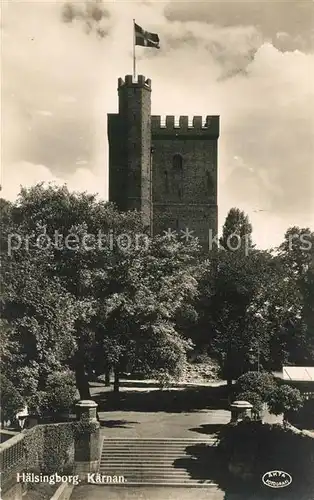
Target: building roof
pixel 298 373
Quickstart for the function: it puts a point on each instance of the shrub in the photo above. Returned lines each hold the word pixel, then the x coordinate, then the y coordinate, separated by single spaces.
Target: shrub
pixel 61 391
pixel 254 382
pixel 252 397
pixel 57 397
pixel 284 399
pixel 49 448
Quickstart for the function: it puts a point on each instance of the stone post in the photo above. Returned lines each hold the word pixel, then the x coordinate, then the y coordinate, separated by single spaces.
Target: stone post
pixel 240 410
pixel 86 439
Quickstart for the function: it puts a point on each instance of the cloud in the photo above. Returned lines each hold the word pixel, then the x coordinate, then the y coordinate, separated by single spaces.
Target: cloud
pixel 28 174
pixel 93 14
pixel 58 85
pixel 293 17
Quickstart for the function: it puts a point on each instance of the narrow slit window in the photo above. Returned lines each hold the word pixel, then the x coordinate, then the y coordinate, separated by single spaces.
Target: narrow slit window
pixel 177 162
pixel 177 173
pixel 166 180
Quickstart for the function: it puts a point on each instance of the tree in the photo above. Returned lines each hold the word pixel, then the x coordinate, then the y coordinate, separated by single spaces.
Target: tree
pixel 251 308
pixel 11 400
pixel 237 231
pixel 53 229
pixel 39 316
pixel 118 291
pixel 296 255
pixel 237 310
pixel 137 322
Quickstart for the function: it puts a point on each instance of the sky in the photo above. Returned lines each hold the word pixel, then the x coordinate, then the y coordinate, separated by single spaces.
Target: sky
pixel 251 62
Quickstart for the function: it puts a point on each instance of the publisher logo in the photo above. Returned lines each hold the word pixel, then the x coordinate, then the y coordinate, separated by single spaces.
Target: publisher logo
pixel 277 479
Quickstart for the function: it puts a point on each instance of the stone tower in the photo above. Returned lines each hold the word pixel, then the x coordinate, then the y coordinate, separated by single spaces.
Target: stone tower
pixel 167 170
pixel 129 133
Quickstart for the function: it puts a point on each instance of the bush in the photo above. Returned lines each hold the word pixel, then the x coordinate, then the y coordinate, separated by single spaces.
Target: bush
pixel 61 391
pixel 258 388
pixel 253 398
pixel 284 399
pixel 50 448
pixel 254 382
pixel 58 396
pixel 11 400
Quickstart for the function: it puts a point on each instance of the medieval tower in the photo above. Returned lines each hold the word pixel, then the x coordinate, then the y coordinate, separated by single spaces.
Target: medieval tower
pixel 167 171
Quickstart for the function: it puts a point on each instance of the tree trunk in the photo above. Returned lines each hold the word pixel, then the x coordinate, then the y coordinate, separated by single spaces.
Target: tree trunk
pixel 229 384
pixel 81 377
pixel 107 377
pixel 116 384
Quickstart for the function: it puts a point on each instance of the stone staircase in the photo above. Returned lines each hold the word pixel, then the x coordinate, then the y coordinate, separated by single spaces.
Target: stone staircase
pixel 166 462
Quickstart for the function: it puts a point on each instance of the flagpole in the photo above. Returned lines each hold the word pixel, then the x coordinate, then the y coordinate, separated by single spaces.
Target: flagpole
pixel 134 60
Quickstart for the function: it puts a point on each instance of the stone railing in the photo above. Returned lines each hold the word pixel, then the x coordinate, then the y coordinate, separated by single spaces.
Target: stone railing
pixel 27 451
pixel 12 460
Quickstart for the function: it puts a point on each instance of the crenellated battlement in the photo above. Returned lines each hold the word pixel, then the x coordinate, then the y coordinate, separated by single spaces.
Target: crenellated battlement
pixel 130 81
pixel 185 126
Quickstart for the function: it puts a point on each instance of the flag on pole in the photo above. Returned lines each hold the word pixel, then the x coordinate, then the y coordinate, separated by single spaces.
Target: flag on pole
pixel 144 38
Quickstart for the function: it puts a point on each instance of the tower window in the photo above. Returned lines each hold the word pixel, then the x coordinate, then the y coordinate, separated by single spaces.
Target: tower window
pixel 166 180
pixel 177 175
pixel 209 181
pixel 177 162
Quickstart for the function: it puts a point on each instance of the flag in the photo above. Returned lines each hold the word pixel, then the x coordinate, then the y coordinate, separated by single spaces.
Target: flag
pixel 145 38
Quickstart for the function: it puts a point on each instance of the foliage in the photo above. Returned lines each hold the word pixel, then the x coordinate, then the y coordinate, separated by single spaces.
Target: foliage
pixel 61 391
pixel 236 231
pixel 284 399
pixel 38 403
pixel 49 448
pixel 142 305
pixel 252 448
pixel 57 397
pixel 259 307
pixel 254 387
pixel 11 400
pixel 41 316
pixel 297 256
pixel 254 398
pixel 94 303
pixel 235 309
pixel 258 388
pixel 85 426
pixel 154 285
pixel 259 383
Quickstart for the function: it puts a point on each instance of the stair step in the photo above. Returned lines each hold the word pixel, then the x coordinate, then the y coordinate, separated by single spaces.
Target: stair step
pixel 168 462
pixel 148 448
pixel 138 469
pixel 156 443
pixel 146 453
pixel 155 448
pixel 151 477
pixel 151 461
pixel 185 484
pixel 115 471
